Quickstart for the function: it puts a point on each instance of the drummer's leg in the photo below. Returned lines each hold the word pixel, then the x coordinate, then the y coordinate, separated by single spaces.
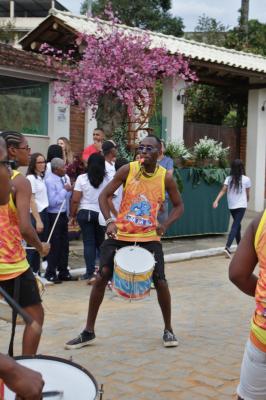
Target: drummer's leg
pixel 107 253
pixel 160 283
pixel 31 337
pixel 30 300
pixel 96 297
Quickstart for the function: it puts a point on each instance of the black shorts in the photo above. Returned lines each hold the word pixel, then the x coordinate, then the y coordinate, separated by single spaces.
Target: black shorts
pixel 28 290
pixel 109 247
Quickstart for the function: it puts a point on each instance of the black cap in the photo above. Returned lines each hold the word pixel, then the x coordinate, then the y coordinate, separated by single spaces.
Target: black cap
pixel 107 146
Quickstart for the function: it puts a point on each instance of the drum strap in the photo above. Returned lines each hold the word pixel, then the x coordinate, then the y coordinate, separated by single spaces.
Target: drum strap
pixel 14 315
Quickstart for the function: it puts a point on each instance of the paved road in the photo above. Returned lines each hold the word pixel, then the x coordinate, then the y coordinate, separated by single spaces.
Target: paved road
pixel 210 318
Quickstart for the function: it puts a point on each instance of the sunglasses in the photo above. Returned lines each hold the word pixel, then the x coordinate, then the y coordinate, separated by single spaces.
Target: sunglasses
pixel 24 148
pixel 148 148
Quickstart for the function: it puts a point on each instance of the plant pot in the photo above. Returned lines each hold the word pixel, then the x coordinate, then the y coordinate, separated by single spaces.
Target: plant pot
pixel 206 162
pixel 178 161
pixel 188 163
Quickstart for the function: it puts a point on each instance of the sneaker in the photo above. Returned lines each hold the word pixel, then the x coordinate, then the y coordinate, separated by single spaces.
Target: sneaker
pixel 84 339
pixel 227 253
pixel 53 279
pixel 45 281
pixel 66 278
pixel 169 339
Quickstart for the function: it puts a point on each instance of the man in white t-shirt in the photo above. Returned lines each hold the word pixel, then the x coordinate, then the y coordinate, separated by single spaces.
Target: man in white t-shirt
pixel 109 151
pixel 237 187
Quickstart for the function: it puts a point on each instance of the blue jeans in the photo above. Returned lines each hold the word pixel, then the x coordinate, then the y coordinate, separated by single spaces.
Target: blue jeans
pixel 235 232
pixel 92 235
pixel 33 256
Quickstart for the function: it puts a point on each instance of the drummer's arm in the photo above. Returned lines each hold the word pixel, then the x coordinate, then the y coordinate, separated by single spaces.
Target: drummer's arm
pixel 21 380
pixel 118 180
pixel 176 200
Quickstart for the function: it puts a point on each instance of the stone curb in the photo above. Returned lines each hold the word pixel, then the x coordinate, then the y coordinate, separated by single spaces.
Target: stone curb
pixel 189 255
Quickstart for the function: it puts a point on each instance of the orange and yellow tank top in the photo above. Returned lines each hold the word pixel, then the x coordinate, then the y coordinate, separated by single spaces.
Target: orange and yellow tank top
pixel 13 260
pixel 258 323
pixel 142 198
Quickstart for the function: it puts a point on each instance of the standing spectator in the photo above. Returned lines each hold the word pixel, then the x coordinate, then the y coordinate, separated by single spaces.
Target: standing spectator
pixel 67 152
pixel 73 164
pixel 39 204
pixel 118 194
pixel 237 187
pixel 54 151
pixel 59 191
pixel 85 207
pixel 96 147
pixel 168 164
pixel 109 151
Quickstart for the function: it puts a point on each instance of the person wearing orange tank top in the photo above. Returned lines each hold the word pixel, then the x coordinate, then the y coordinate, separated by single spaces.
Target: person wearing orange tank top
pixel 144 185
pixel 15 224
pixel 250 252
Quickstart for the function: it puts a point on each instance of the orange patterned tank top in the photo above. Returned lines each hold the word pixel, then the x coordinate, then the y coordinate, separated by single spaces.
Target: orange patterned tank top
pixel 258 324
pixel 142 198
pixel 12 254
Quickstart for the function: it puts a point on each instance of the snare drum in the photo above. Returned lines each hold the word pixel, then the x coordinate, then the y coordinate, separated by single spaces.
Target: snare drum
pixel 63 379
pixel 133 268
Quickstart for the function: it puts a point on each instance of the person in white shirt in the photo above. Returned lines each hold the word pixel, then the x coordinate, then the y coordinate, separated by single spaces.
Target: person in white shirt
pixel 39 204
pixel 237 187
pixel 85 209
pixel 109 151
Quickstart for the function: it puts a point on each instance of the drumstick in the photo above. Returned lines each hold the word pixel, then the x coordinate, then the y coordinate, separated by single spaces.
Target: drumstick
pixel 27 318
pixel 53 227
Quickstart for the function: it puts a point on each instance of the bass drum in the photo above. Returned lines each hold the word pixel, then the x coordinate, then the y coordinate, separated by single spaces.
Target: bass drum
pixel 63 379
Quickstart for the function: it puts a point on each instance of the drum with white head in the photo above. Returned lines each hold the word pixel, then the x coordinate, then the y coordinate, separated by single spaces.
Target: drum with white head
pixel 63 379
pixel 133 268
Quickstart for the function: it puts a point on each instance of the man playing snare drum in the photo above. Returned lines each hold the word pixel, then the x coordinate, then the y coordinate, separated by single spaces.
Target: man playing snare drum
pixel 144 183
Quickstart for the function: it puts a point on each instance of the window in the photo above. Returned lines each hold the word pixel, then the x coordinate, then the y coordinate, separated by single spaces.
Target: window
pixel 23 105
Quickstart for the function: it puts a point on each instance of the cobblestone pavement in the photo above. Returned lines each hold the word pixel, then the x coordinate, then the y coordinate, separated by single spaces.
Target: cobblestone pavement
pixel 210 318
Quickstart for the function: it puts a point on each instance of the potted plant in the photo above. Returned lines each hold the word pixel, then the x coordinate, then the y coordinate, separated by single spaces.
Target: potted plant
pixel 205 152
pixel 178 152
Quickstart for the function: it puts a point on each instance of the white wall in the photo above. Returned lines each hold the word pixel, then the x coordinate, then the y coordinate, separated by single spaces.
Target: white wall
pixel 173 110
pixel 256 148
pixel 58 118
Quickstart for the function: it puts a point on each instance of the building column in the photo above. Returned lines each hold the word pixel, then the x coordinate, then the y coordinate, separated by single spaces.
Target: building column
pixel 173 110
pixel 12 9
pixel 58 117
pixel 256 148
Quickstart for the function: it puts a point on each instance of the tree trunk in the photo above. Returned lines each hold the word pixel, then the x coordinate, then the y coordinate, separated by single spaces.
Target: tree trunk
pixel 111 114
pixel 244 13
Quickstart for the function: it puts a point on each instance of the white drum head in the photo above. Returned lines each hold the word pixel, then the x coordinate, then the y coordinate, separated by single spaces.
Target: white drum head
pixel 60 375
pixel 134 259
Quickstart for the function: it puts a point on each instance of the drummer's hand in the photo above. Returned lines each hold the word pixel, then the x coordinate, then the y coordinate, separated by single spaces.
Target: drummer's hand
pixel 72 221
pixel 160 230
pixel 45 249
pixel 27 384
pixel 111 230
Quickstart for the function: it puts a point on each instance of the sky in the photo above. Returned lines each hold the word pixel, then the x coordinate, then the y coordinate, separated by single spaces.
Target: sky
pixel 225 11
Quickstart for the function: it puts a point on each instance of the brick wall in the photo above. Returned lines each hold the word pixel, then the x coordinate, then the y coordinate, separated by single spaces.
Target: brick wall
pixel 77 129
pixel 243 144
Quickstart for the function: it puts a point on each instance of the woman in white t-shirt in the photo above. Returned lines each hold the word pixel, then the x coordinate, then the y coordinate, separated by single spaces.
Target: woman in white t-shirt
pixel 237 186
pixel 39 204
pixel 85 208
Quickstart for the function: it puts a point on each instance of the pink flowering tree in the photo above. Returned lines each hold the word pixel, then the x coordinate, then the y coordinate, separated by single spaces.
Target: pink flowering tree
pixel 115 64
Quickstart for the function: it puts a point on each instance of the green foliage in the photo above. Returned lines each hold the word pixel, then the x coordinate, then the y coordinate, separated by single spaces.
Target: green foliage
pixel 207 104
pixel 150 14
pixel 208 175
pixel 177 150
pixel 210 31
pixel 255 43
pixel 178 179
pixel 120 138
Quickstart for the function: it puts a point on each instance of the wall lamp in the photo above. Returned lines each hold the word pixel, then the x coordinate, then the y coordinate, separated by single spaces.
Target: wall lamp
pixel 182 97
pixel 263 106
